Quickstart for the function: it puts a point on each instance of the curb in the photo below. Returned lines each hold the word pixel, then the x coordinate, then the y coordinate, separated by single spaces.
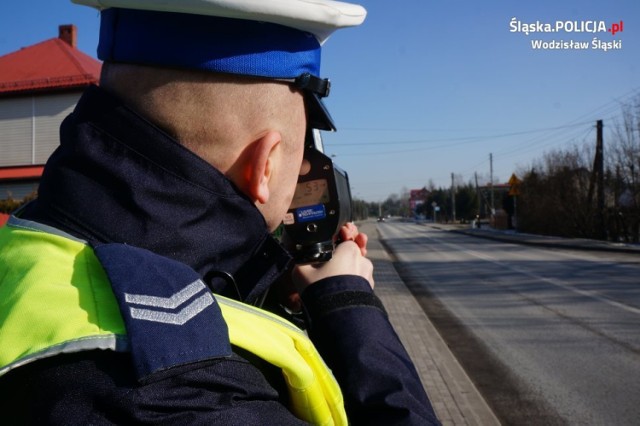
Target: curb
pixel 546 241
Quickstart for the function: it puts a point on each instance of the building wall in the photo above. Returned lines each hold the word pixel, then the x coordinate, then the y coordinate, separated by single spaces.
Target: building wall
pixel 30 127
pixel 17 190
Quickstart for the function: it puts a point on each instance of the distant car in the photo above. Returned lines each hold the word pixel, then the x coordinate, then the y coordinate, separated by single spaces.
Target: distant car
pixel 381 219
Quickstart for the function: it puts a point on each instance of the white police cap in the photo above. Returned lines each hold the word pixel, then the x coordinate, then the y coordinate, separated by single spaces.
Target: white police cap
pixel 275 39
pixel 318 17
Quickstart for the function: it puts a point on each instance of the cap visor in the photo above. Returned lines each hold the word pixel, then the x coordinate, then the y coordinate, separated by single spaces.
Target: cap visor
pixel 318 115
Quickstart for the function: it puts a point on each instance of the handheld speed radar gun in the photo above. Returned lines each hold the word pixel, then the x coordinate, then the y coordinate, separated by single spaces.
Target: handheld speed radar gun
pixel 321 205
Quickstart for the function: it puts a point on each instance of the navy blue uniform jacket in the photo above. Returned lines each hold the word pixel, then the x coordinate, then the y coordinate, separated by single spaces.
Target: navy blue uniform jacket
pixel 117 178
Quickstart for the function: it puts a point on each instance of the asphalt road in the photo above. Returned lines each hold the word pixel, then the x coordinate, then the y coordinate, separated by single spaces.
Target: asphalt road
pixel 549 336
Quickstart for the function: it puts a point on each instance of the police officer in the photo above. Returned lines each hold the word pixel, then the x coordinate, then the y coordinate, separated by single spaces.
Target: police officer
pixel 127 288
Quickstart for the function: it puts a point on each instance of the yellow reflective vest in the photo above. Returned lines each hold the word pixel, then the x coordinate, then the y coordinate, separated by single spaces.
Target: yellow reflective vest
pixel 55 297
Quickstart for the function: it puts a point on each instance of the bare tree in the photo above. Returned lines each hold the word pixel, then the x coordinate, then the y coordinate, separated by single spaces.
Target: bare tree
pixel 624 166
pixel 554 199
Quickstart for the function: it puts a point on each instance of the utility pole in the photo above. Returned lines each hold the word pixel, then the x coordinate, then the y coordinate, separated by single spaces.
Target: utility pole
pixel 493 208
pixel 478 195
pixel 453 198
pixel 597 182
pixel 600 167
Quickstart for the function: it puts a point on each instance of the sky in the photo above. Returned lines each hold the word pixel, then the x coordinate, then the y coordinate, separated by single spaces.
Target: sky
pixel 424 89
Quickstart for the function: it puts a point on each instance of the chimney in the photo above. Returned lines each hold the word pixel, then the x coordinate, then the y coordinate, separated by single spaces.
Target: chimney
pixel 68 34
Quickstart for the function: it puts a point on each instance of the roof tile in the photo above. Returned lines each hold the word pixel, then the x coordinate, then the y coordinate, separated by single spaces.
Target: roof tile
pixel 51 64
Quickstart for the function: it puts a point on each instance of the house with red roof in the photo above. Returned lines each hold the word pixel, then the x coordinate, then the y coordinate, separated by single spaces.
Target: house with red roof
pixel 39 86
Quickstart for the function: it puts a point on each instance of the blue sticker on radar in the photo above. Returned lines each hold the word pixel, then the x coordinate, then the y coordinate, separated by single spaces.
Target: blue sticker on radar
pixel 309 213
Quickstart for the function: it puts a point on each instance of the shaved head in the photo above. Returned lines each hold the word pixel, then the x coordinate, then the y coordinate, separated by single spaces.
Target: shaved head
pixel 222 118
pixel 211 114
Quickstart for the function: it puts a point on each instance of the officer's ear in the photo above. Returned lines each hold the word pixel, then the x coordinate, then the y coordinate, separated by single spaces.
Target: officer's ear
pixel 260 160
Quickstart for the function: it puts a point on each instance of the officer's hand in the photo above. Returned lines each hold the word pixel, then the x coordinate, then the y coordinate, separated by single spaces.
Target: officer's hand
pixel 347 259
pixel 349 232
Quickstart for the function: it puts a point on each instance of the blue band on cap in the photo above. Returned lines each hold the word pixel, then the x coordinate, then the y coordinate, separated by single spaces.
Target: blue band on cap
pixel 209 43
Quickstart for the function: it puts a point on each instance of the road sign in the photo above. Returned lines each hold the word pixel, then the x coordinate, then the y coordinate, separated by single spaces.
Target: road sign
pixel 514 182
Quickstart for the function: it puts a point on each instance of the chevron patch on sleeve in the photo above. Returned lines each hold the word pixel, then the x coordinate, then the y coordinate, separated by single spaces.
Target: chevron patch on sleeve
pixel 171 317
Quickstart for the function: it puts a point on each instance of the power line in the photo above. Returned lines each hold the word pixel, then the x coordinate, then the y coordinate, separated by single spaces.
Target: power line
pixel 460 139
pixel 558 136
pixel 523 147
pixel 464 141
